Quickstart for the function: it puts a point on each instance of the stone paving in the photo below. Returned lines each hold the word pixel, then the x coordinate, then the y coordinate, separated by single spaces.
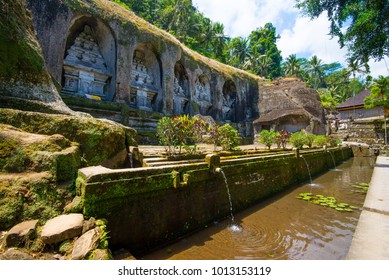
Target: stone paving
pixel 371 237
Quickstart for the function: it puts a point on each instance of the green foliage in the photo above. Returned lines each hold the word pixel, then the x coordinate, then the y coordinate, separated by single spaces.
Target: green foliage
pixel 229 138
pixel 267 137
pixel 309 139
pixel 320 140
pixel 367 32
pixel 379 93
pixel 179 132
pixel 283 138
pixel 297 139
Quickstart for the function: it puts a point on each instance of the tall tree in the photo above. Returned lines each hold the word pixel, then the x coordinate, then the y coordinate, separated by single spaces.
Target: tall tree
pixel 367 24
pixel 263 41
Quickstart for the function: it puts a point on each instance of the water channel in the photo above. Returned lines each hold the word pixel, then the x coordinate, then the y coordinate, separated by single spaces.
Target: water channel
pixel 284 227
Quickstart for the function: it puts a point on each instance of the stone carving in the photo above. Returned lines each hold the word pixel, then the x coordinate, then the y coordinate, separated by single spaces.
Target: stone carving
pixel 179 98
pixel 85 72
pixel 143 89
pixel 228 107
pixel 202 95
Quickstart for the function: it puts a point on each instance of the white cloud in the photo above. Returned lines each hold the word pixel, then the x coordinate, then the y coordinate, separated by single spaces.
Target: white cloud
pixel 243 16
pixel 310 38
pixel 299 35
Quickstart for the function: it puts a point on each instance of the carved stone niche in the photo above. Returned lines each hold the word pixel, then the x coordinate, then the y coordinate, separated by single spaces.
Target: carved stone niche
pixel 85 71
pixel 143 89
pixel 229 100
pixel 180 101
pixel 202 95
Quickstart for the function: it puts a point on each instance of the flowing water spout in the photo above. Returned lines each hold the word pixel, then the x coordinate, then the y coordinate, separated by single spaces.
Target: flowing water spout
pixel 309 172
pixel 234 227
pixel 219 170
pixel 131 160
pixel 333 160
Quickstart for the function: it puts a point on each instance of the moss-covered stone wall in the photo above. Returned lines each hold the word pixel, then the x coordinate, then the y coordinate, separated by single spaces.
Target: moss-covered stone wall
pixel 149 206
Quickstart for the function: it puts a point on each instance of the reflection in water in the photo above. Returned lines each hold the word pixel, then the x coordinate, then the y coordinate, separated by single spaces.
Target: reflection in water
pixel 284 227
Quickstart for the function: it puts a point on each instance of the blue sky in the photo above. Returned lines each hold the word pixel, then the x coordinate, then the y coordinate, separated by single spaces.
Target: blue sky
pixel 299 35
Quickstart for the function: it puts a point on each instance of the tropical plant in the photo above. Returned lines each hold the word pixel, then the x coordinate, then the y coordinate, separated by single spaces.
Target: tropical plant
pixel 297 139
pixel 291 66
pixel 228 137
pixel 309 139
pixel 320 140
pixel 284 137
pixel 179 132
pixel 267 137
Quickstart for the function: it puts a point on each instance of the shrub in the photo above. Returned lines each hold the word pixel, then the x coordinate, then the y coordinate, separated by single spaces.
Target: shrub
pixel 297 139
pixel 320 140
pixel 228 137
pixel 166 133
pixel 267 137
pixel 180 131
pixel 333 141
pixel 309 139
pixel 283 138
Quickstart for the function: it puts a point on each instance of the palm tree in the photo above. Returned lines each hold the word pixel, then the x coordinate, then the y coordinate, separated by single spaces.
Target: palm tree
pixel 292 65
pixel 264 64
pixel 315 70
pixel 240 51
pixel 219 40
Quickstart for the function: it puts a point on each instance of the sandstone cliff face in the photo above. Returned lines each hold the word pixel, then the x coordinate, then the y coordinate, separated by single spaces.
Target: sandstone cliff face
pixel 22 69
pixel 288 102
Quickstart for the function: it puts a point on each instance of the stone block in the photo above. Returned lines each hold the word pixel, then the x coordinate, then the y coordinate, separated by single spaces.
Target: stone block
pixel 62 227
pixel 20 233
pixel 85 244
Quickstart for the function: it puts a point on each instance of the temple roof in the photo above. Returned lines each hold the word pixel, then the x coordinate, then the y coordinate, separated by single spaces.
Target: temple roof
pixel 354 101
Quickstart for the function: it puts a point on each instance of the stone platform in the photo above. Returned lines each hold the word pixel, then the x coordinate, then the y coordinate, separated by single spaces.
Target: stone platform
pixel 371 237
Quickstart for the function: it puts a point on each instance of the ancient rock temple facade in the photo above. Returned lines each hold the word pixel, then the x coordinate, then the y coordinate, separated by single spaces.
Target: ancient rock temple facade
pixel 98 50
pixel 117 57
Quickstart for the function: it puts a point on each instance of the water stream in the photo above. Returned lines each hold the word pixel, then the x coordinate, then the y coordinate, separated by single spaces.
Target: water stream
pixel 306 164
pixel 333 160
pixel 130 157
pixel 233 227
pixel 284 227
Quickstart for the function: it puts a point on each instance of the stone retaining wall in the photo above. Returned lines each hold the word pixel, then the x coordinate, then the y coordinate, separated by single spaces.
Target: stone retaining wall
pixel 146 207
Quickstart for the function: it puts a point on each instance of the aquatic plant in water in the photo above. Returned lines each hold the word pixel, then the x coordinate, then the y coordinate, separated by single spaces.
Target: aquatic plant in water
pixel 328 201
pixel 361 188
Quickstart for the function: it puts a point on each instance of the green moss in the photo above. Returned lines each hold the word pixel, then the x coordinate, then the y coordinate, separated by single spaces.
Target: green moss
pixel 10 211
pixel 20 55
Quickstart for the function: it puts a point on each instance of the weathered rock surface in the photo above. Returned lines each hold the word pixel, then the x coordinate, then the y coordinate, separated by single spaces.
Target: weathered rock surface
pixel 22 70
pixel 290 102
pixel 85 244
pixel 20 233
pixel 15 254
pixel 100 254
pixel 62 227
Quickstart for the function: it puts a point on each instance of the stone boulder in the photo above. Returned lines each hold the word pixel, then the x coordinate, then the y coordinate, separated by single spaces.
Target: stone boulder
pixel 85 244
pixel 21 232
pixel 61 228
pixel 98 140
pixel 15 254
